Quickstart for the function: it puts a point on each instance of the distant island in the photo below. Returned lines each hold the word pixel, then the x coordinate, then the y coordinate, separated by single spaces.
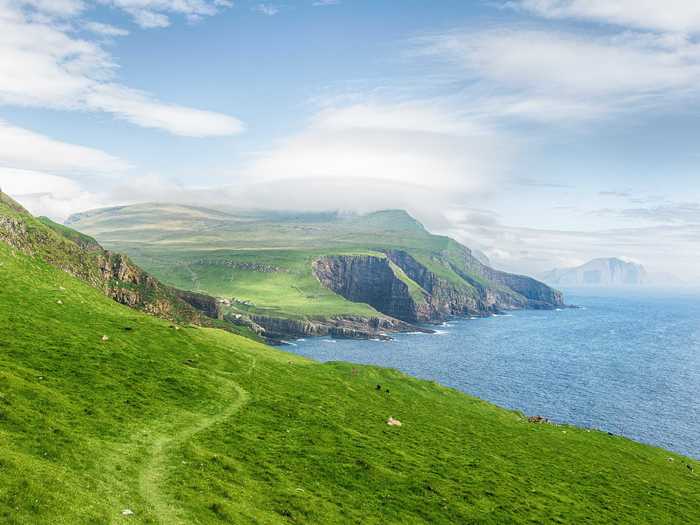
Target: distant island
pixel 612 271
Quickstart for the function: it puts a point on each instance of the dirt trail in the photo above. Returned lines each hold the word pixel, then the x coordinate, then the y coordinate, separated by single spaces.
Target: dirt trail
pixel 155 469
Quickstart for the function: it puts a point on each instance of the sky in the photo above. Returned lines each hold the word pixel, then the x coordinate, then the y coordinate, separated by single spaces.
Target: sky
pixel 542 132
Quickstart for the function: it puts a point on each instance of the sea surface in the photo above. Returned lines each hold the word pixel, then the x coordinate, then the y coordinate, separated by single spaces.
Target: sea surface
pixel 626 362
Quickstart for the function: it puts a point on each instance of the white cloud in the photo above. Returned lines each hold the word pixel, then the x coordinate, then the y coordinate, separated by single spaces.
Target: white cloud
pixel 149 19
pixel 141 109
pixel 105 29
pixel 323 3
pixel 42 64
pixel 363 155
pixel 21 148
pixel 145 13
pixel 415 116
pixel 658 15
pixel 44 194
pixel 62 8
pixel 536 250
pixel 155 13
pixel 545 74
pixel 266 9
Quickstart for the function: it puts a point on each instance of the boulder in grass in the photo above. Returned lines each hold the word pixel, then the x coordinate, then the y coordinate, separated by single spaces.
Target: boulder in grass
pixel 127 512
pixel 393 422
pixel 105 338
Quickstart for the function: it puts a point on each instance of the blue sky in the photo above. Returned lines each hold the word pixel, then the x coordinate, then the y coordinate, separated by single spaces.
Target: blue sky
pixel 544 132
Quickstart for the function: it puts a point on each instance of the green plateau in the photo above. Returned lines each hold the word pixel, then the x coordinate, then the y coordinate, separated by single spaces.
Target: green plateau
pixel 302 274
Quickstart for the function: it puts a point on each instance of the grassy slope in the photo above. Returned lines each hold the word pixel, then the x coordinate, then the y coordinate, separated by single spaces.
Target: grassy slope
pixel 85 241
pixel 201 426
pixel 82 256
pixel 170 241
pixel 417 293
pixel 291 292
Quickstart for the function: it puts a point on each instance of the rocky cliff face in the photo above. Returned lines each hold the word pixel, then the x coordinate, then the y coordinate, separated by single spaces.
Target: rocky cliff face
pixel 537 294
pixel 500 289
pixel 277 328
pixel 202 302
pixel 445 298
pixel 481 290
pixel 371 279
pixel 112 273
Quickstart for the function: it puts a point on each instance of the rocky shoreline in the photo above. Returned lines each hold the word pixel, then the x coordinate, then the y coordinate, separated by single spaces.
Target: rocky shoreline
pixel 406 295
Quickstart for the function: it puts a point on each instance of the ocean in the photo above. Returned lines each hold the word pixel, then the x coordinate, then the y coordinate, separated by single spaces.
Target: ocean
pixel 627 362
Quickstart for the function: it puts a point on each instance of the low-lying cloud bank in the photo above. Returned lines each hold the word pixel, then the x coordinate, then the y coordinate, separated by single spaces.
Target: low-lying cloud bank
pixel 651 234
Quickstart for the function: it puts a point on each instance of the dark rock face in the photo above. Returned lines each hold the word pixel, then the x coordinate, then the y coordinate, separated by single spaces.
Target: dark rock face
pixel 538 295
pixel 340 327
pixel 128 284
pixel 202 302
pixel 372 280
pixel 112 273
pixel 445 298
pixel 503 290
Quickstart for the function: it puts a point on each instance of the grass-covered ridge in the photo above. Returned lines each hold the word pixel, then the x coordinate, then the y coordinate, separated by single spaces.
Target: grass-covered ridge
pixel 187 425
pixel 112 273
pixel 264 259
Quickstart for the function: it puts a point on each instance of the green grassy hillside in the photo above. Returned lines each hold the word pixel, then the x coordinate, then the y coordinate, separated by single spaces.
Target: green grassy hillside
pixel 112 273
pixel 221 253
pixel 271 282
pixel 187 425
pixel 263 260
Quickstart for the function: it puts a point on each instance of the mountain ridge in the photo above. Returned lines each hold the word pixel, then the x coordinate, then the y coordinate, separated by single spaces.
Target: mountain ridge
pixel 314 266
pixel 112 273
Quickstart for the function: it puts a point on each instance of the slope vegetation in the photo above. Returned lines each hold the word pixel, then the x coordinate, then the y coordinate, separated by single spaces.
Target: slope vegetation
pixel 162 423
pixel 112 273
pixel 314 267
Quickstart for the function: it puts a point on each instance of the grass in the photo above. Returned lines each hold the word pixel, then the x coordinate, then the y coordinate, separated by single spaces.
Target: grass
pixel 82 240
pixel 171 242
pixel 199 426
pixel 291 290
pixel 416 292
pixel 81 256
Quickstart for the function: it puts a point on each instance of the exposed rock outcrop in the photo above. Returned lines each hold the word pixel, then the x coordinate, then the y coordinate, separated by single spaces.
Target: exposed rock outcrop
pixel 238 265
pixel 446 299
pixel 202 302
pixel 500 289
pixel 112 273
pixel 400 286
pixel 339 327
pixel 371 279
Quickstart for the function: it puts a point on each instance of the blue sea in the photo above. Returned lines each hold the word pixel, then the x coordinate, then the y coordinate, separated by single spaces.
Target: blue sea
pixel 626 362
